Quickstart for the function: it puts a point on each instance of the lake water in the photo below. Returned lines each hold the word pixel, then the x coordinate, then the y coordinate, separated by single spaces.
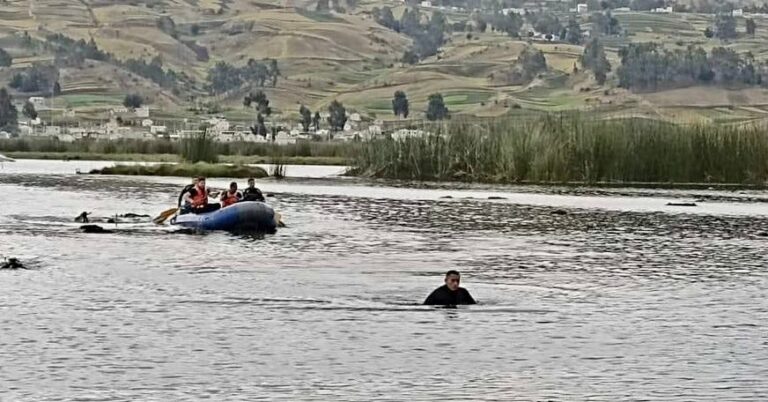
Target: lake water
pixel 585 294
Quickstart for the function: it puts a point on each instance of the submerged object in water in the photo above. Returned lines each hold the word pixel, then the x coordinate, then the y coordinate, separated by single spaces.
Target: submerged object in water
pixel 12 263
pixel 681 204
pixel 94 229
pixel 245 215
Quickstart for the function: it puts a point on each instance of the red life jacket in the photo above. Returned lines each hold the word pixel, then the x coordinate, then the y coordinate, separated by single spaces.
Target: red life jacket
pixel 228 199
pixel 200 198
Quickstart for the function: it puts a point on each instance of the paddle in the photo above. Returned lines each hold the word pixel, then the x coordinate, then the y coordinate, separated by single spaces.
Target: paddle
pixel 164 215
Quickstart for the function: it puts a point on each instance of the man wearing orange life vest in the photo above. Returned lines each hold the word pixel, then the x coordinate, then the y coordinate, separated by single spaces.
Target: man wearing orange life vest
pixel 197 198
pixel 230 196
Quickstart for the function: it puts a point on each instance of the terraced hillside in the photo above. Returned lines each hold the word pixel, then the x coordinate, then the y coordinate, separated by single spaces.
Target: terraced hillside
pixel 348 57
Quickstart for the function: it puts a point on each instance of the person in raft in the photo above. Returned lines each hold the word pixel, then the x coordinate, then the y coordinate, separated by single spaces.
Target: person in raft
pixel 197 198
pixel 230 196
pixel 252 193
pixel 186 189
pixel 450 294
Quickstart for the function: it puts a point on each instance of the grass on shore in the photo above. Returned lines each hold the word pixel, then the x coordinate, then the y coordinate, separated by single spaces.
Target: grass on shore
pixel 233 159
pixel 185 170
pixel 566 149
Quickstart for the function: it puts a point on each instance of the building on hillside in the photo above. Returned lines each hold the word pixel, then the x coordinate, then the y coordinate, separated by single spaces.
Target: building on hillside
pixel 70 113
pixel 141 112
pixel 407 133
pixel 158 130
pixel 582 8
pixel 52 131
pixel 147 123
pixel 37 101
pixel 218 124
pixel 355 117
pixel 283 138
pixel 119 110
pixel 4 135
pixel 663 10
pixel 426 4
pixel 737 12
pixel 508 11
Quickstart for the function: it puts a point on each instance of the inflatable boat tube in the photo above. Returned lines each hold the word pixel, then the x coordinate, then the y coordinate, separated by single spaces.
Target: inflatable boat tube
pixel 245 216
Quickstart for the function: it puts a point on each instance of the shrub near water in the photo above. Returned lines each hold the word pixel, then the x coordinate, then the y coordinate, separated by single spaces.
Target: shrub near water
pixel 185 170
pixel 566 149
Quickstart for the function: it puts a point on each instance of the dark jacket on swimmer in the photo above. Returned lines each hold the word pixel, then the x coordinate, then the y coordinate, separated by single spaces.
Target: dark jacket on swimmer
pixel 252 193
pixel 450 294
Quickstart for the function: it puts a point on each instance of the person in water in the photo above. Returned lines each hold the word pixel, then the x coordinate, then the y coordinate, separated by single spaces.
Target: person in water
pixel 450 294
pixel 230 196
pixel 197 198
pixel 252 193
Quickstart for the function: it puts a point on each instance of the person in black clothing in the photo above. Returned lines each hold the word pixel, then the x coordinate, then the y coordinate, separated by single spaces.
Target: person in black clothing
pixel 450 294
pixel 252 193
pixel 186 189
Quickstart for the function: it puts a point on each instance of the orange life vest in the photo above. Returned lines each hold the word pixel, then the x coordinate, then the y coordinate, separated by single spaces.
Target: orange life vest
pixel 201 197
pixel 228 199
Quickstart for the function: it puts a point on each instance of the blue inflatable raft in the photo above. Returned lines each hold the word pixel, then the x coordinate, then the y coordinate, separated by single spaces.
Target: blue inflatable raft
pixel 242 216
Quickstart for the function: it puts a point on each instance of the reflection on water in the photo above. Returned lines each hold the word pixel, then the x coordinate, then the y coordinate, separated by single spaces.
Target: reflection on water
pixel 628 301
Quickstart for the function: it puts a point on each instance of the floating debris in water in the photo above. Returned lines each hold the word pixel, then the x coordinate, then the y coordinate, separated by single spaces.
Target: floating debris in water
pixel 495 197
pixel 12 263
pixel 559 212
pixel 94 229
pixel 681 204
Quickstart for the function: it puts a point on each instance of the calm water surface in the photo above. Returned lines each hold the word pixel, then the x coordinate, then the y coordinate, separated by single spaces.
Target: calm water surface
pixel 586 294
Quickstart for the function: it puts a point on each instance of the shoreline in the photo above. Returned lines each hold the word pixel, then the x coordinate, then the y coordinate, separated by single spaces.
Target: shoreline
pixel 171 158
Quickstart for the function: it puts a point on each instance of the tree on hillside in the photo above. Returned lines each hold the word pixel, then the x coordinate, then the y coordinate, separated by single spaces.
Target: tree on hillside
pixel 725 26
pixel 259 99
pixel 605 24
pixel 316 121
pixel 323 6
pixel 5 59
pixel 133 101
pixel 224 77
pixel 400 104
pixel 708 33
pixel 29 110
pixel 386 18
pixel 410 57
pixel 8 113
pixel 273 71
pixel 338 116
pixel 751 26
pixel 547 23
pixel 594 59
pixel 167 25
pixel 306 117
pixel 260 128
pixel 56 89
pixel 436 109
pixel 573 32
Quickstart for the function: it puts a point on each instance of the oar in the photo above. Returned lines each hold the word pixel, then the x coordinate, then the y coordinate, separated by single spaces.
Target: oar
pixel 164 215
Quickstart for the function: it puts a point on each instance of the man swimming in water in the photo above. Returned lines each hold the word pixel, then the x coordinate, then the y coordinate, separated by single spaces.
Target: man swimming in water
pixel 450 294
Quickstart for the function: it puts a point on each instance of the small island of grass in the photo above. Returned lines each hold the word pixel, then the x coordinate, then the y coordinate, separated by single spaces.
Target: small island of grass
pixel 185 170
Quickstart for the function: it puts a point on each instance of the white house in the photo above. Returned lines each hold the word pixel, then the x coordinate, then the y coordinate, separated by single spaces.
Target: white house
pixel 69 113
pixel 508 11
pixel 355 117
pixel 37 101
pixel 52 131
pixel 5 135
pixel 218 124
pixel 147 123
pixel 283 138
pixel 737 12
pixel 155 130
pixel 141 112
pixel 120 109
pixel 426 3
pixel 406 133
pixel 582 8
pixel 662 10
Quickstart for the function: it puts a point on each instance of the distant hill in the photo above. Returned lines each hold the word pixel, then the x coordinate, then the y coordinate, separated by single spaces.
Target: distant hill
pixel 348 56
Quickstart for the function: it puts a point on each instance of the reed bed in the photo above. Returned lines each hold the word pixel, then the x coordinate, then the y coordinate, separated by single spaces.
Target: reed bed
pixel 568 149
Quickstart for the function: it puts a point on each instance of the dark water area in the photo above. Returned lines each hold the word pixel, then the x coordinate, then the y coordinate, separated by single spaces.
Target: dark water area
pixel 586 294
